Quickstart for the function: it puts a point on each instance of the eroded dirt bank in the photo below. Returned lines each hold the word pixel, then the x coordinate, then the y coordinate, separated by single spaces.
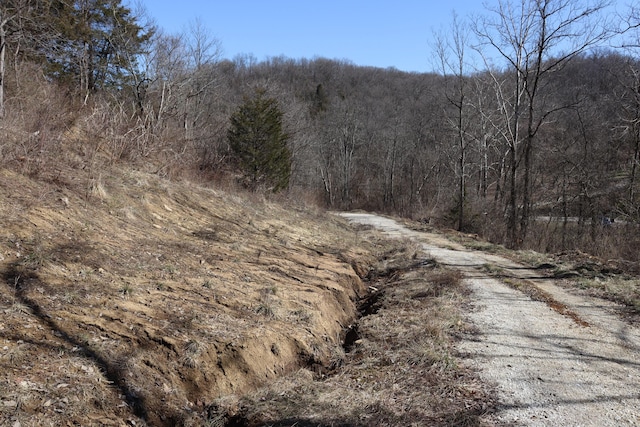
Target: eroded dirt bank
pixel 574 366
pixel 141 300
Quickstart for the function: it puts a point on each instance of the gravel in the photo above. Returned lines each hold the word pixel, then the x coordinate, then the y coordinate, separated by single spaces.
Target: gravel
pixel 549 368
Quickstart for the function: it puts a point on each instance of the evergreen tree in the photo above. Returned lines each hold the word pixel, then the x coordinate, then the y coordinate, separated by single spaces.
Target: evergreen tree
pixel 259 143
pixel 92 44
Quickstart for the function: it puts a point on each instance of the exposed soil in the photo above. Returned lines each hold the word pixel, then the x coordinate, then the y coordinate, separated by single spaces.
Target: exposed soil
pixel 126 299
pixel 133 299
pixel 556 357
pixel 397 368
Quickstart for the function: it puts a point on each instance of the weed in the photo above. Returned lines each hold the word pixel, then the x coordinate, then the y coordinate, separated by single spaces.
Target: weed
pixel 445 281
pixel 492 269
pixel 531 258
pixel 171 269
pixel 84 273
pixel 192 351
pixel 38 255
pixel 96 189
pixel 479 245
pixel 126 290
pixel 265 310
pixel 70 297
pixel 301 315
pixel 514 283
pixel 186 323
pixel 337 358
pixel 18 307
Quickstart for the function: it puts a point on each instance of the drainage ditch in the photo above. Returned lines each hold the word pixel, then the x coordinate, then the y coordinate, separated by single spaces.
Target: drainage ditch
pixel 368 305
pixel 371 304
pixel 377 281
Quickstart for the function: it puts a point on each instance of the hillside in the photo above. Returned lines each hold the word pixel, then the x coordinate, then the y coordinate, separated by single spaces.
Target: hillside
pixel 166 257
pixel 143 301
pixel 147 298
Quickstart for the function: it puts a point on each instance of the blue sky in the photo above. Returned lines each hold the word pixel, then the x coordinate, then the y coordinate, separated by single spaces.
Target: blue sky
pixel 374 33
pixel 393 33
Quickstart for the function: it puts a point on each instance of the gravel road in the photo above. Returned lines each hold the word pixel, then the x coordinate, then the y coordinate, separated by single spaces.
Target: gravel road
pixel 550 369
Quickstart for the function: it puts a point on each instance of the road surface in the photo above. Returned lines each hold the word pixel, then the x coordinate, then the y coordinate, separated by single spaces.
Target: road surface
pixel 579 366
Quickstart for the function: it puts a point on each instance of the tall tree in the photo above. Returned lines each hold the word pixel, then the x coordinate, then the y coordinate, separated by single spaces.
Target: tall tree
pixel 533 38
pixel 452 53
pixel 5 17
pixel 98 44
pixel 203 53
pixel 630 114
pixel 259 142
pixel 12 14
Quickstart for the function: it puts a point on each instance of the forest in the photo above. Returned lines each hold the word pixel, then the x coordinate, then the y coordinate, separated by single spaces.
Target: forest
pixel 526 133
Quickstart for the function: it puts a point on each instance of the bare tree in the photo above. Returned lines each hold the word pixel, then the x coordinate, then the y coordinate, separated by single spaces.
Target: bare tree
pixel 533 38
pixel 629 78
pixel 9 12
pixel 4 19
pixel 452 53
pixel 204 52
pixel 166 69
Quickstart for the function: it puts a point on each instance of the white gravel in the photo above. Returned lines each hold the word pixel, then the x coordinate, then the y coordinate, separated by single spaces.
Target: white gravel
pixel 548 369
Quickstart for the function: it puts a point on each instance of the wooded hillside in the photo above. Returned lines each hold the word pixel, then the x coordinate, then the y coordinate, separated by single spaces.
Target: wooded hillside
pixel 527 132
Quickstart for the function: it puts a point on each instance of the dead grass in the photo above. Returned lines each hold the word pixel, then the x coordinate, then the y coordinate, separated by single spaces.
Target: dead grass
pixel 139 300
pixel 612 279
pixel 401 369
pixel 621 289
pixel 127 299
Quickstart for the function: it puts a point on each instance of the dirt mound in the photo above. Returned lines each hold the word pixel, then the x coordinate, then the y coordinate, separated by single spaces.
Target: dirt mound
pixel 143 300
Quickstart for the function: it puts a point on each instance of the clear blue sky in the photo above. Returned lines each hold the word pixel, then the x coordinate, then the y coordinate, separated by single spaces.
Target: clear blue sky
pixel 392 33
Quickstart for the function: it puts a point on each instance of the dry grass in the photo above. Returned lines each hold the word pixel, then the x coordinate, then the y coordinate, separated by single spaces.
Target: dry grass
pixel 624 290
pixel 131 299
pixel 401 370
pixel 610 278
pixel 127 299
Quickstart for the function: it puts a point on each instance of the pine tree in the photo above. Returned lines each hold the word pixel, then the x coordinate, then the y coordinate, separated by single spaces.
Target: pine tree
pixel 90 44
pixel 259 143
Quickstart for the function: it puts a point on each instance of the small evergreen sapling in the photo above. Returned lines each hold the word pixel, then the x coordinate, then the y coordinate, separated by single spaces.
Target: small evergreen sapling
pixel 259 143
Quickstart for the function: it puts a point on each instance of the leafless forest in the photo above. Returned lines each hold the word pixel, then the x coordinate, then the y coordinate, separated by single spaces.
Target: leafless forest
pixel 527 132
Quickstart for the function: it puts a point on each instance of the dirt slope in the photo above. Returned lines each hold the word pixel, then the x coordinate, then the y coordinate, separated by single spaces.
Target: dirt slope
pixel 131 299
pixel 565 362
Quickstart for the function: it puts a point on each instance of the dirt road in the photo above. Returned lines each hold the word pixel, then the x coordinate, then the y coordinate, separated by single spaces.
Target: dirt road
pixel 578 366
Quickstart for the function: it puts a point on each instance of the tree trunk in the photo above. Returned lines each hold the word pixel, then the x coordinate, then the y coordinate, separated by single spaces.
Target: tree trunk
pixel 3 48
pixel 526 189
pixel 635 162
pixel 462 183
pixel 565 212
pixel 512 222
